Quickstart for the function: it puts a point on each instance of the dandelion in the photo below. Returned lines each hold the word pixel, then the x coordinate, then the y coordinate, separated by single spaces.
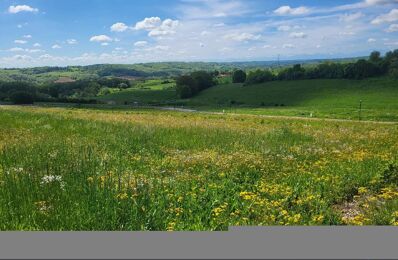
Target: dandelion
pixel 247 195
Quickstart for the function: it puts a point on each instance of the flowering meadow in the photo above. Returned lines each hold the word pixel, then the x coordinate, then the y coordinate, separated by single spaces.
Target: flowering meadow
pixel 90 169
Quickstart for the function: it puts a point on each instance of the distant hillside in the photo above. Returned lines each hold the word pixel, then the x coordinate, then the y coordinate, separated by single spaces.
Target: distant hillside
pixel 141 70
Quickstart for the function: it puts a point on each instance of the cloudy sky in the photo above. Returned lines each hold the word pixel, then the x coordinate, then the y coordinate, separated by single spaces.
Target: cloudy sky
pixel 75 32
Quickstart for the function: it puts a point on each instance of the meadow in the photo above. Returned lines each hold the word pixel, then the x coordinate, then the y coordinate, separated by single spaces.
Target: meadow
pixel 143 169
pixel 320 98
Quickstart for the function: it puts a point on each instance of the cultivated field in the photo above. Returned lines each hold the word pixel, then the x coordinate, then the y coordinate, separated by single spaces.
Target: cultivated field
pixel 81 169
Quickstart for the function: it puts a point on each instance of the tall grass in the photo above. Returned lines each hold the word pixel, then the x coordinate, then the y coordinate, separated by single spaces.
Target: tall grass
pixel 68 169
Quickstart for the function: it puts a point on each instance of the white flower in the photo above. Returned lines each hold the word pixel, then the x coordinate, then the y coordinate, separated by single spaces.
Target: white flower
pixel 53 178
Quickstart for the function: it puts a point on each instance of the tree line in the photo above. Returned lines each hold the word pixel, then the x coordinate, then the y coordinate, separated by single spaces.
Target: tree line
pixel 80 91
pixel 374 66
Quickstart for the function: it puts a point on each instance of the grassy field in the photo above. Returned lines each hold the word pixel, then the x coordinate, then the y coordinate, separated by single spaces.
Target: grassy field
pixel 303 98
pixel 82 169
pixel 321 98
pixel 147 92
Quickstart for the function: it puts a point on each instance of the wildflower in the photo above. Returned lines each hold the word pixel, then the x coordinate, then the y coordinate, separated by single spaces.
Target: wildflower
pixel 50 178
pixel 90 179
pixel 53 178
pixel 43 207
pixel 171 226
pixel 122 196
pixel 247 195
pixel 318 218
pixel 362 190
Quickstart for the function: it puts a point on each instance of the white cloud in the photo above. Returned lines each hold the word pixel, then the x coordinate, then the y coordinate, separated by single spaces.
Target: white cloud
pixel 37 45
pixel 16 49
pixel 379 2
pixel 201 44
pixel 20 41
pixel 370 40
pixel 240 37
pixel 72 41
pixel 148 23
pixel 351 17
pixel 100 38
pixel 34 50
pixel 212 9
pixel 28 36
pixel 158 48
pixel 392 16
pixel 391 43
pixel 392 28
pixel 162 48
pixel 298 35
pixel 119 27
pixel 105 44
pixel 219 24
pixel 347 33
pixel 140 43
pixel 21 8
pixel 287 10
pixel 284 28
pixel 267 46
pixel 167 27
pixel 156 27
pixel 287 46
pixel 56 46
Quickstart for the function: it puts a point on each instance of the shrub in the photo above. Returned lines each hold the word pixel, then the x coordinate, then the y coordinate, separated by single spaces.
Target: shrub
pixel 259 76
pixel 239 76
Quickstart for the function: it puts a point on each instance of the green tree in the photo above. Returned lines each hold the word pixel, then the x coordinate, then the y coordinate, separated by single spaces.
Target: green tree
pixel 375 57
pixel 203 80
pixel 239 76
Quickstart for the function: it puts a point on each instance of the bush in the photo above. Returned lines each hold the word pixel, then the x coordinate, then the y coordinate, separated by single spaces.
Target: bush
pixel 259 76
pixel 21 97
pixel 239 76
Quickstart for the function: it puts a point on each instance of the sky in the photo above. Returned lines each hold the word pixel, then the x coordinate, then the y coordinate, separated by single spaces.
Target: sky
pixel 75 32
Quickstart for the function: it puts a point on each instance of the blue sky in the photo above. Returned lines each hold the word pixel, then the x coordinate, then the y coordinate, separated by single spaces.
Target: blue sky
pixel 76 32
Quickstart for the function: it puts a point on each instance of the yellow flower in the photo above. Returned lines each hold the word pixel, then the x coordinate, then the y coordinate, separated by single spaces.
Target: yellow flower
pixel 122 196
pixel 362 190
pixel 246 195
pixel 171 226
pixel 318 219
pixel 90 179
